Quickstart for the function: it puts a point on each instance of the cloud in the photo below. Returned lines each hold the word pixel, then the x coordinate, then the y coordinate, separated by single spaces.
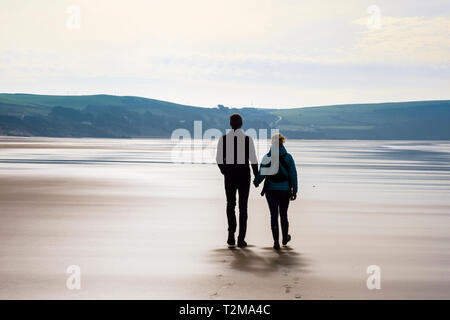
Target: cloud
pixel 303 52
pixel 412 40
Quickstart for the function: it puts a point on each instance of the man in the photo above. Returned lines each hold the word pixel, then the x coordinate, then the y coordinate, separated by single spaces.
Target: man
pixel 234 152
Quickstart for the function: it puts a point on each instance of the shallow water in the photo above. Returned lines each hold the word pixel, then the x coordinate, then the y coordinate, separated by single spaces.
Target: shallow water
pixel 412 171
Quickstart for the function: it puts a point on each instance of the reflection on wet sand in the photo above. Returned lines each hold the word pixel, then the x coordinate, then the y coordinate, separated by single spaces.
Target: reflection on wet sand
pixel 261 261
pixel 140 226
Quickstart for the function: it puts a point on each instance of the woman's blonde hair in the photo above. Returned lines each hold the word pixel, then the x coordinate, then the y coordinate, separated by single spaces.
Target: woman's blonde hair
pixel 281 139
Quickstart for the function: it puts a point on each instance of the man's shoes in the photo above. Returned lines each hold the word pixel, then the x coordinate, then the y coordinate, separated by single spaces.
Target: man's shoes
pixel 276 246
pixel 242 244
pixel 231 241
pixel 285 241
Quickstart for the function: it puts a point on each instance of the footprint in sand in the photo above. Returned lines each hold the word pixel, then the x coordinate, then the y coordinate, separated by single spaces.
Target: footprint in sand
pixel 297 296
pixel 228 284
pixel 287 288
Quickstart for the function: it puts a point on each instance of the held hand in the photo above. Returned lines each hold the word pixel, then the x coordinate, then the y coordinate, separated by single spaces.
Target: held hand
pixel 293 196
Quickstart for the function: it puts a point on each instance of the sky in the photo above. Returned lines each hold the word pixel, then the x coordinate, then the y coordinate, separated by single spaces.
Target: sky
pixel 239 53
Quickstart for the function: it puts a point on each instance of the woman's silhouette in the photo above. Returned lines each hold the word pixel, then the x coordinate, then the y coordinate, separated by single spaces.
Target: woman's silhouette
pixel 279 188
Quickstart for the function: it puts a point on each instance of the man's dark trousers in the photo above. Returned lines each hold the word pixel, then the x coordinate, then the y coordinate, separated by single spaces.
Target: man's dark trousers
pixel 237 181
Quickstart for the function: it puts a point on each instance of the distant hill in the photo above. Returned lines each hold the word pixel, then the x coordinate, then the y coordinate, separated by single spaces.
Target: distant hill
pixel 126 116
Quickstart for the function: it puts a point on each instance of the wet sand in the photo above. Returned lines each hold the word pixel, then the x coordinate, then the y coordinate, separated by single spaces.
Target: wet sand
pixel 141 227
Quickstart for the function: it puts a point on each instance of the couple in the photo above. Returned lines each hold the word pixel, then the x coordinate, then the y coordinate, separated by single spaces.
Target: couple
pixel 235 151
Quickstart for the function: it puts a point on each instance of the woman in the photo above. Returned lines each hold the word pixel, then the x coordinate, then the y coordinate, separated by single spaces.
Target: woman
pixel 279 188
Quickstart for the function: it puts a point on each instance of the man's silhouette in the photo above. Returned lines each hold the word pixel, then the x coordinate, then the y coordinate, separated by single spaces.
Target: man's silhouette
pixel 235 151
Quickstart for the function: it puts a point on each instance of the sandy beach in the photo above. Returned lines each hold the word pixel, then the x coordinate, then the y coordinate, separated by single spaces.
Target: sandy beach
pixel 141 227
